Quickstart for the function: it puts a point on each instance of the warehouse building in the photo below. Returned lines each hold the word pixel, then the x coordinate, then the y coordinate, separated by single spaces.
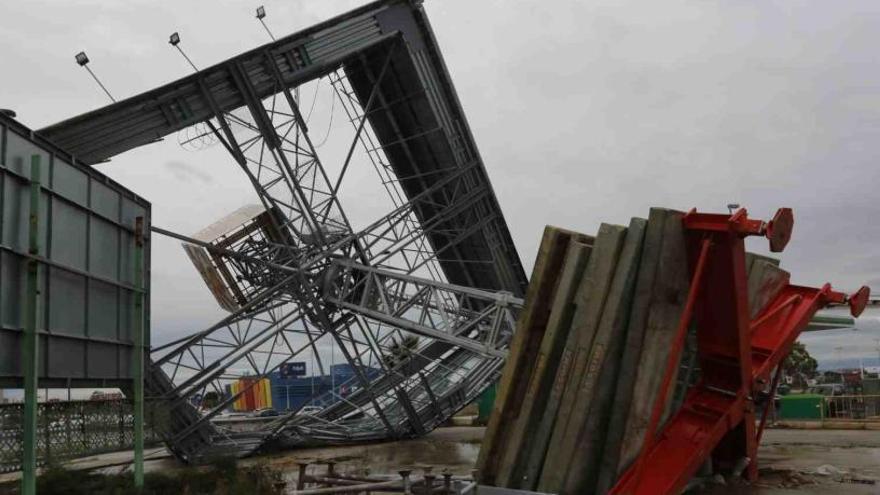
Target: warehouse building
pixel 289 388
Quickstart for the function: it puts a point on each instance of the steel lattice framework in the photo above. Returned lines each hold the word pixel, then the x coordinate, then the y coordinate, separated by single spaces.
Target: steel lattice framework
pixel 440 267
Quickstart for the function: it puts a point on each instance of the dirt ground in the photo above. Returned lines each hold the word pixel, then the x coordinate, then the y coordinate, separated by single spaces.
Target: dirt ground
pixel 813 462
pixel 792 461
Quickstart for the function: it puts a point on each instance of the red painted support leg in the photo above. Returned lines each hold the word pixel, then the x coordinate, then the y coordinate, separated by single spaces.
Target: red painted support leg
pixel 735 355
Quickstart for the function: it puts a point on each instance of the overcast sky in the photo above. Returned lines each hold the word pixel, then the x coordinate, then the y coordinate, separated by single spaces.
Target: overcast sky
pixel 584 112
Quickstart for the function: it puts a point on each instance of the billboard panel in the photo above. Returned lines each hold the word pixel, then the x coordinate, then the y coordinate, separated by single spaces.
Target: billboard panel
pixel 86 265
pixel 293 370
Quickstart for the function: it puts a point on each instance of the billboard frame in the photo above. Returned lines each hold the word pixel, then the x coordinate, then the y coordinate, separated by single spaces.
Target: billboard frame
pixel 92 220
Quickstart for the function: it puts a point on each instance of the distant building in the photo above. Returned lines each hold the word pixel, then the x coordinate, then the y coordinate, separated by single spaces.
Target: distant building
pixel 253 394
pixel 285 392
pixel 292 393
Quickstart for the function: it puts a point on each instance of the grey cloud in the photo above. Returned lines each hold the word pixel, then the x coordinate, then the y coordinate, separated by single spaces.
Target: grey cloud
pixel 188 173
pixel 583 112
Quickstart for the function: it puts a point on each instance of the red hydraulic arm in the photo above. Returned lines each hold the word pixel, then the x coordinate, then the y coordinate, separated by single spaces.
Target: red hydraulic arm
pixel 736 355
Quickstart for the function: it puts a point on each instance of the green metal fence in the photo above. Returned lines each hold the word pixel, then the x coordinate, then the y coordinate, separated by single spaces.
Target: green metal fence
pixel 829 409
pixel 852 407
pixel 71 429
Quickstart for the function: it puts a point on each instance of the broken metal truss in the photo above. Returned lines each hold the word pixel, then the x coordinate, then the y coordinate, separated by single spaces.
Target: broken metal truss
pixel 438 271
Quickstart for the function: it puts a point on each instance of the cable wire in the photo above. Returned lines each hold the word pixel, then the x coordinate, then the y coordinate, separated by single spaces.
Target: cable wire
pixel 327 135
pixel 314 99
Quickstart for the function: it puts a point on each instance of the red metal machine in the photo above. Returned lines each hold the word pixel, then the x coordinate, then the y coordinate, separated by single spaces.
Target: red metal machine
pixel 736 355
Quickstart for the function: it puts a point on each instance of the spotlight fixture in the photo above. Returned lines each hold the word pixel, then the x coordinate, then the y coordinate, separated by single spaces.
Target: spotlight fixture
pixel 261 14
pixel 82 59
pixel 174 40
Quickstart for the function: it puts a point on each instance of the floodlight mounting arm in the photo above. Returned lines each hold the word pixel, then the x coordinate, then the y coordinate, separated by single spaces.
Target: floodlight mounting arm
pixel 85 65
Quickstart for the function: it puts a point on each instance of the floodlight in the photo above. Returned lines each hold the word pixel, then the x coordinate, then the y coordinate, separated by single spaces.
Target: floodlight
pixel 261 13
pixel 174 40
pixel 82 59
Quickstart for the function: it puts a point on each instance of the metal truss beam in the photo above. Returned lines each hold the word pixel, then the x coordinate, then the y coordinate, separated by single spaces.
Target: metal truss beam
pixel 479 321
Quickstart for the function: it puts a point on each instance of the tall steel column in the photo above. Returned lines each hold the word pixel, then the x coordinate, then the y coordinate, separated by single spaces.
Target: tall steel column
pixel 30 349
pixel 138 357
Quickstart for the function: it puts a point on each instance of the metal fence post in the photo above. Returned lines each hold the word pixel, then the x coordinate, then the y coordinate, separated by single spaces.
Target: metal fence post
pixel 29 351
pixel 138 358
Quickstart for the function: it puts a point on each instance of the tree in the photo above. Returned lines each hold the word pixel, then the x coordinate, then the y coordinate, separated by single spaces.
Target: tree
pixel 799 364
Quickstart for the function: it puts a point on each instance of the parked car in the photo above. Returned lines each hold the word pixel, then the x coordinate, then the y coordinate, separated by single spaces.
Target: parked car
pixel 266 413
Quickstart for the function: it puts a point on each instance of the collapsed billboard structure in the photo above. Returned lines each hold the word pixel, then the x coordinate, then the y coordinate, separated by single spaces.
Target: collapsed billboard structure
pixel 438 271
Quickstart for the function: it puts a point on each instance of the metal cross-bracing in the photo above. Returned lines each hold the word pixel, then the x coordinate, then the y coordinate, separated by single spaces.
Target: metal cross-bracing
pixel 474 320
pixel 461 336
pixel 419 302
pixel 463 333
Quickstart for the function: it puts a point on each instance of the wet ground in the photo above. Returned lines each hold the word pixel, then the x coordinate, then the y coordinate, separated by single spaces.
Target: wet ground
pixel 454 449
pixel 792 461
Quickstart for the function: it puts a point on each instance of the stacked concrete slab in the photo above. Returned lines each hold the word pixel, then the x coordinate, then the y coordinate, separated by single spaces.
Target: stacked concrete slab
pixel 590 351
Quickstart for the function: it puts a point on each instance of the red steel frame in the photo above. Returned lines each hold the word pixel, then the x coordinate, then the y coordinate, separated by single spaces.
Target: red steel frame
pixel 736 355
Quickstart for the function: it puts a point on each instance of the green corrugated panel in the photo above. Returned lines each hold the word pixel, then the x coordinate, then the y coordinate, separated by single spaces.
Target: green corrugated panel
pixel 801 406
